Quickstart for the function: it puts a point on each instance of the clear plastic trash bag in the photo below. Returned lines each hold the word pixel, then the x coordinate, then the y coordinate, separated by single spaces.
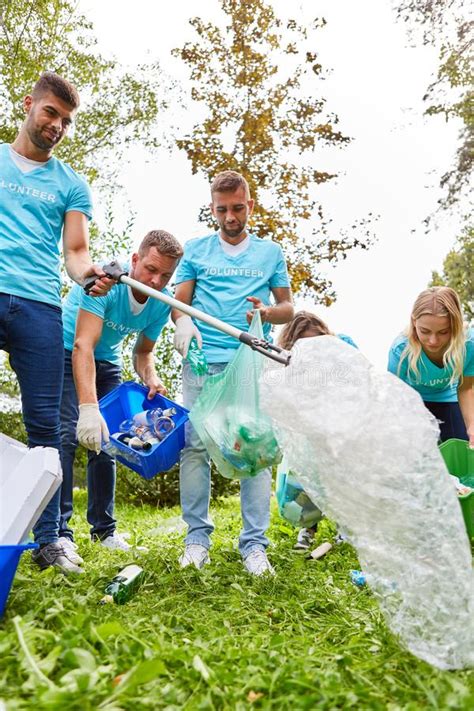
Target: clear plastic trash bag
pixel 365 449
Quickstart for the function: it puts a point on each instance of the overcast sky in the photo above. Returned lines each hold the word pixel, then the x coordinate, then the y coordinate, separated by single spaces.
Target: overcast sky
pixel 391 168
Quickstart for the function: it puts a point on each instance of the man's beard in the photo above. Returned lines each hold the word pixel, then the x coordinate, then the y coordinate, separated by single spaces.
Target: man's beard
pixel 41 141
pixel 236 231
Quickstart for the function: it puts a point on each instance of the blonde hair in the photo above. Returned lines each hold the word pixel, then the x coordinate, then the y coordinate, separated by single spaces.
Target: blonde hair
pixel 295 328
pixel 437 301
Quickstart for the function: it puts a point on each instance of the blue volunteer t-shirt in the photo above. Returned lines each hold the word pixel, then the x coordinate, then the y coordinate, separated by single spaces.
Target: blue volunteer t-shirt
pixel 33 207
pixel 119 320
pixel 223 282
pixel 433 381
pixel 347 339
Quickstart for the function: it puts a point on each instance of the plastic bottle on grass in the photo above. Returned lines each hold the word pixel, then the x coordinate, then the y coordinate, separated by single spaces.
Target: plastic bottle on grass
pixel 124 585
pixel 197 359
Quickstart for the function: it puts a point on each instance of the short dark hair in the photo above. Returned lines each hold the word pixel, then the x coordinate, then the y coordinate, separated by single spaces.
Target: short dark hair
pixel 228 181
pixel 164 242
pixel 63 89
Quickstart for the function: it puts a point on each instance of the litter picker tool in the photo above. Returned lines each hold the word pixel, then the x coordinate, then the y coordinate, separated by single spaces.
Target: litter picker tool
pixel 115 271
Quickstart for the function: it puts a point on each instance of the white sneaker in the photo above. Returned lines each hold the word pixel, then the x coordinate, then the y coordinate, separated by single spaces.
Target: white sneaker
pixel 257 563
pixel 70 548
pixel 115 542
pixel 194 554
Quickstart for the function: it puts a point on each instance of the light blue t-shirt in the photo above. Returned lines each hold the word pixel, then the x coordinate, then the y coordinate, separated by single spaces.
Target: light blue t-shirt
pixel 33 207
pixel 119 320
pixel 223 282
pixel 433 381
pixel 347 339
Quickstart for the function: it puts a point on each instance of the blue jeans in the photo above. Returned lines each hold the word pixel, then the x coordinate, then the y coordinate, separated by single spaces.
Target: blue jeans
pixel 195 483
pixel 32 333
pixel 451 422
pixel 100 467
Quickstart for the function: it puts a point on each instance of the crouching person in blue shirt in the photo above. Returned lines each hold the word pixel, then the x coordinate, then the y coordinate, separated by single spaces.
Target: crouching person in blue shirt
pixel 435 356
pixel 93 333
pixel 222 274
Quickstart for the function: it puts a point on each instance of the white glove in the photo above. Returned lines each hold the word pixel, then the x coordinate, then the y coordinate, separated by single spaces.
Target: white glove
pixel 91 427
pixel 184 334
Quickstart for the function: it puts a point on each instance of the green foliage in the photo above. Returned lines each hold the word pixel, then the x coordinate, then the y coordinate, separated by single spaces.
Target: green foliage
pixel 215 639
pixel 119 108
pixel 445 23
pixel 458 271
pixel 163 490
pixel 260 83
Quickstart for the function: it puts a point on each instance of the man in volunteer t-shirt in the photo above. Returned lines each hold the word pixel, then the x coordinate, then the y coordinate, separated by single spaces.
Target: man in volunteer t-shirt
pixel 220 274
pixel 42 199
pixel 94 330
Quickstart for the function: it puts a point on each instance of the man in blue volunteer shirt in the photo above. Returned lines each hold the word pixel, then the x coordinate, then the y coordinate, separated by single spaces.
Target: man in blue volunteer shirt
pixel 42 198
pixel 220 274
pixel 93 333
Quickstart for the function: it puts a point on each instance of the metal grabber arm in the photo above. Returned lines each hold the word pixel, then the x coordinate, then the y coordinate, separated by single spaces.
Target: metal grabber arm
pixel 114 271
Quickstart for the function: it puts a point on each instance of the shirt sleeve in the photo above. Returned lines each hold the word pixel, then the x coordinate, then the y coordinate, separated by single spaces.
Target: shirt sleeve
pixel 348 339
pixel 280 275
pixel 95 304
pixel 153 330
pixel 469 362
pixel 186 269
pixel 393 360
pixel 80 198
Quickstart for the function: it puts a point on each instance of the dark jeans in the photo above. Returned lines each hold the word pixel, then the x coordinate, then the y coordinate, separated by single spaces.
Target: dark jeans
pixel 451 422
pixel 32 333
pixel 100 467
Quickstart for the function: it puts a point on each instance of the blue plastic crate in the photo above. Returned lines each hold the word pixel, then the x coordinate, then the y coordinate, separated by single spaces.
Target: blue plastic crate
pixel 9 558
pixel 125 401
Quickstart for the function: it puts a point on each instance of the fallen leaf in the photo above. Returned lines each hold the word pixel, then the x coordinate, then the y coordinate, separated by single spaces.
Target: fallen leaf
pixel 254 696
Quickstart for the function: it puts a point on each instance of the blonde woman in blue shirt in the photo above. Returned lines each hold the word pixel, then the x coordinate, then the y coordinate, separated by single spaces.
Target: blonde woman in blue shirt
pixel 435 356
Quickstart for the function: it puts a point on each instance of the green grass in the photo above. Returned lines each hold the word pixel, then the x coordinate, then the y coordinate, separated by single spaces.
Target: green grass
pixel 215 639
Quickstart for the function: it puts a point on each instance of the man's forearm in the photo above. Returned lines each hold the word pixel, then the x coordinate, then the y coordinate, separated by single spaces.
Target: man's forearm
pixel 83 368
pixel 78 264
pixel 280 313
pixel 144 366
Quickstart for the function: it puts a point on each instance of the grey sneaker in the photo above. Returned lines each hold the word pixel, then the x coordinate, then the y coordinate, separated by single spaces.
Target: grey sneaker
pixel 55 555
pixel 257 563
pixel 70 549
pixel 194 554
pixel 304 540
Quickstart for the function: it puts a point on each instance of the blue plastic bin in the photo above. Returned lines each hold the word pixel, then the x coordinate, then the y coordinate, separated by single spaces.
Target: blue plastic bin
pixel 125 401
pixel 9 558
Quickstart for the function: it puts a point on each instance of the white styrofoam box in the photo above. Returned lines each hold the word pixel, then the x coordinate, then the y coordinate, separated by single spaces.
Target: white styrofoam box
pixel 11 453
pixel 25 489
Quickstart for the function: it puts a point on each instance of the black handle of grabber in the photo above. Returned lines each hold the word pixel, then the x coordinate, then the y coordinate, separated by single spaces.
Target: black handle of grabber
pixel 113 270
pixel 265 348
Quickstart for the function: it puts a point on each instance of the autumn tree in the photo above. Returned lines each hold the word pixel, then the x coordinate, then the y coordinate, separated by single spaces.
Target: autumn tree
pixel 259 81
pixel 458 271
pixel 445 24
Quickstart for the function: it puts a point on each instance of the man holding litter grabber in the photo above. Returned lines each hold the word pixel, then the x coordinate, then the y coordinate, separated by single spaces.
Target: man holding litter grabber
pixel 43 200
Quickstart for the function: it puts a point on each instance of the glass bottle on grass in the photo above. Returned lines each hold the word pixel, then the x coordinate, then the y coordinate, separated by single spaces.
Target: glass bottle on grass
pixel 124 585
